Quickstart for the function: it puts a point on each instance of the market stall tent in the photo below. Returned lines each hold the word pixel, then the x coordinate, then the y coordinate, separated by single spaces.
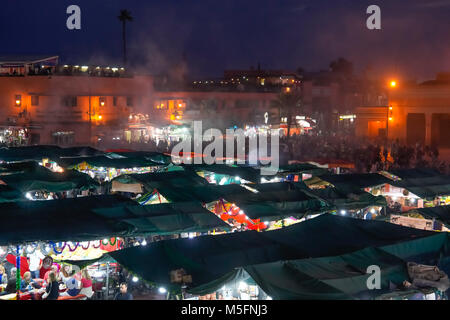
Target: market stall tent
pixel 166 218
pixel 39 178
pixel 425 188
pixel 415 173
pixel 107 162
pixel 97 217
pixel 278 205
pixel 208 258
pixel 359 180
pixel 326 278
pixel 154 180
pixel 243 172
pixel 440 213
pixel 9 194
pixel 202 193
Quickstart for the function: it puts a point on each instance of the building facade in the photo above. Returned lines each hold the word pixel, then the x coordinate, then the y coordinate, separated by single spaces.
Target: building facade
pixel 71 105
pixel 414 114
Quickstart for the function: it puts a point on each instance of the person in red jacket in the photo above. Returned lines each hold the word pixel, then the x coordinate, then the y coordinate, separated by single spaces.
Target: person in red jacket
pixel 24 267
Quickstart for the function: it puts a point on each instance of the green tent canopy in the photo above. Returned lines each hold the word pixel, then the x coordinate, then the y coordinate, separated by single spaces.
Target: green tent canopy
pixel 414 173
pixel 339 277
pixel 106 162
pixel 202 193
pixel 157 157
pixel 166 218
pixel 424 188
pixel 244 172
pixel 328 278
pixel 300 168
pixel 42 179
pixel 278 186
pixel 348 200
pixel 359 180
pixel 97 217
pixel 154 180
pixel 70 219
pixel 9 194
pixel 278 205
pixel 208 258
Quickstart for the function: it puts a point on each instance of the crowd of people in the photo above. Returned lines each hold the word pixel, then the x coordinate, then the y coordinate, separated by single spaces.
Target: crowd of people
pixel 48 280
pixel 366 155
pixel 42 277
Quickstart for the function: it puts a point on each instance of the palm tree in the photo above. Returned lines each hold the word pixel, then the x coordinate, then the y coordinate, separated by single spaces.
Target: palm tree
pixel 288 105
pixel 124 16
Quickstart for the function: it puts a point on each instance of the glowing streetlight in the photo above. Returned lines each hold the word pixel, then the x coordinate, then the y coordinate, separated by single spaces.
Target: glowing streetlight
pixel 162 290
pixel 393 84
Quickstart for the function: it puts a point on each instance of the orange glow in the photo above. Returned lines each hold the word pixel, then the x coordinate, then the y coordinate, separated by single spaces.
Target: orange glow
pixel 102 103
pixel 17 102
pixel 393 84
pixel 288 89
pixel 180 105
pixel 100 117
pixel 172 117
pixel 390 118
pixel 390 108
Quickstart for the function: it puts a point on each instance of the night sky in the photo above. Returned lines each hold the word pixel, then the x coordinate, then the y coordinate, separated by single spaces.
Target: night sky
pixel 215 35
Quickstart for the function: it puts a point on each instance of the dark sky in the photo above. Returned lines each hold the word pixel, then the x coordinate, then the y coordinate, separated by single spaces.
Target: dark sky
pixel 228 34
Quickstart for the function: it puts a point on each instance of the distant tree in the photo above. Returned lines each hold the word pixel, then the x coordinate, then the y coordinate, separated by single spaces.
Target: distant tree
pixel 124 16
pixel 300 70
pixel 342 66
pixel 288 104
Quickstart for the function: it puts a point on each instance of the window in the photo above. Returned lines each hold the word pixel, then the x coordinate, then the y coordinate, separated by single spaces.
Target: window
pixel 129 101
pixel 34 100
pixel 70 101
pixel 115 101
pixel 63 138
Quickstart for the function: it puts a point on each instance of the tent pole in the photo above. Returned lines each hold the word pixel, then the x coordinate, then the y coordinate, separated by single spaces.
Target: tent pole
pixel 18 273
pixel 107 281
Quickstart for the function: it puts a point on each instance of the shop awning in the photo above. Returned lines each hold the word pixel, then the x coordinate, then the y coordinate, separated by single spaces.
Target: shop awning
pixel 424 188
pixel 244 172
pixel 300 168
pixel 157 157
pixel 107 162
pixel 440 213
pixel 166 218
pixel 154 180
pixel 360 180
pixel 202 193
pixel 415 173
pixel 349 198
pixel 276 205
pixel 208 258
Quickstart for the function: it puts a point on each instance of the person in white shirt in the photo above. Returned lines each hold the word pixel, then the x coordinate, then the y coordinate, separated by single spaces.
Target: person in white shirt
pixel 35 263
